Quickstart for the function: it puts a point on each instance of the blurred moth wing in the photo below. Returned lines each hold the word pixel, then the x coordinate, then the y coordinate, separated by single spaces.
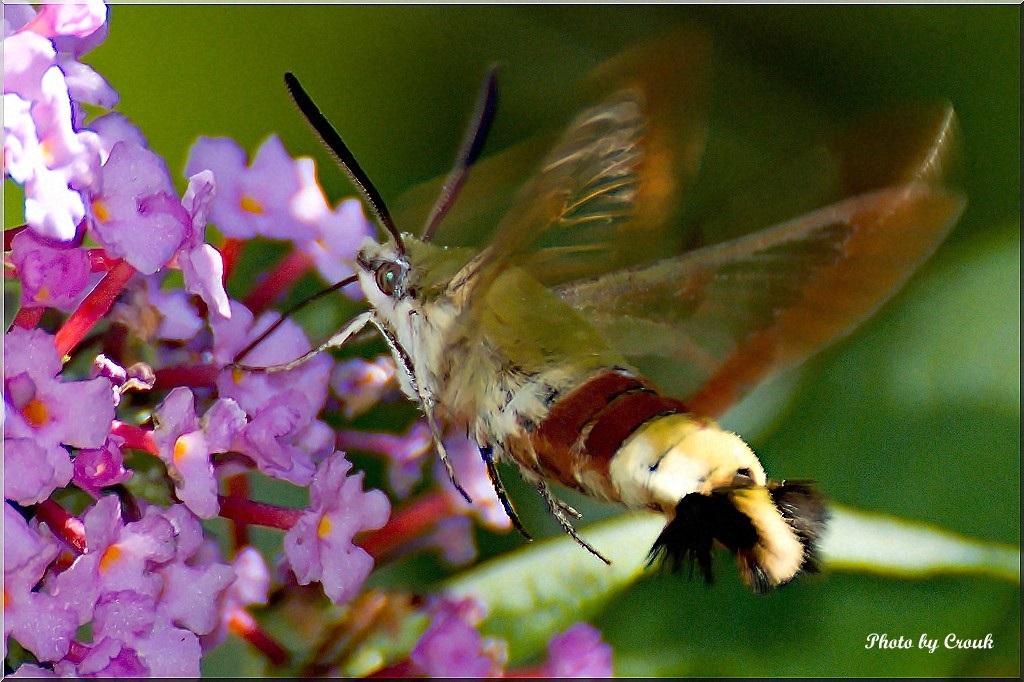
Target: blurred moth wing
pixel 540 344
pixel 617 173
pixel 717 320
pixel 728 315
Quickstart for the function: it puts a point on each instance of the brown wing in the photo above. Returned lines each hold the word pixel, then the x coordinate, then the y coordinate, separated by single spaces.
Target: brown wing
pixel 712 323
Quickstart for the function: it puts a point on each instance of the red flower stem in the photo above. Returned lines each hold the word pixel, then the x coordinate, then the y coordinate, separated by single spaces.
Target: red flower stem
pixel 64 525
pixel 77 652
pixel 408 523
pixel 10 233
pixel 28 318
pixel 193 376
pixel 238 488
pixel 369 441
pixel 245 626
pixel 255 513
pixel 231 253
pixel 101 261
pixel 291 268
pixel 94 307
pixel 136 437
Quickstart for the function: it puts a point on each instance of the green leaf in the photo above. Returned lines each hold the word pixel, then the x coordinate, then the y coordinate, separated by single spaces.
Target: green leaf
pixel 876 543
pixel 543 588
pixel 533 593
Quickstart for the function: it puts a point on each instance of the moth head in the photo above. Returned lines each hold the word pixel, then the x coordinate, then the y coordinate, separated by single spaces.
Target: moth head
pixel 383 272
pixel 417 272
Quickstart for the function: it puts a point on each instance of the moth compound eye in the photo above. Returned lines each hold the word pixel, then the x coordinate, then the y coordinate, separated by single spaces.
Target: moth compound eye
pixel 388 277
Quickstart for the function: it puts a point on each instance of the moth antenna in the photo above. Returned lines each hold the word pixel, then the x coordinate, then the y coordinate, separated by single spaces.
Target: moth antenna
pixel 288 313
pixel 343 156
pixel 469 150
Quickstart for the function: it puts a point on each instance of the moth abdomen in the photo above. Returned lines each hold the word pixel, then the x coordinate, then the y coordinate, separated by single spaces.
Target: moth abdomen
pixel 772 531
pixel 615 437
pixel 585 427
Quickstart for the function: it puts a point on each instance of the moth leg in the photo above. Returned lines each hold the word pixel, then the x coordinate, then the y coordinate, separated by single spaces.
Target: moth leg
pixel 428 410
pixel 427 403
pixel 568 510
pixel 558 510
pixel 487 454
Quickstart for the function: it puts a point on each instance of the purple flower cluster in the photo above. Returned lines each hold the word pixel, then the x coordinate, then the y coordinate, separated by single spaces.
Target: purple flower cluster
pixel 453 647
pixel 126 424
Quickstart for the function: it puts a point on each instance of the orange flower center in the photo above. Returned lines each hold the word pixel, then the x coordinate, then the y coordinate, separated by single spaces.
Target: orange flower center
pixel 250 205
pixel 100 210
pixel 180 449
pixel 110 557
pixel 35 413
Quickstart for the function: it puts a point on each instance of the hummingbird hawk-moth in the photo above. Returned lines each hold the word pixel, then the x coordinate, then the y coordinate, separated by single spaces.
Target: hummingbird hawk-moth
pixel 591 345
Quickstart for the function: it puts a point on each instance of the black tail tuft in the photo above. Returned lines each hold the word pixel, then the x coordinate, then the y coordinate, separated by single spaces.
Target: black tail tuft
pixel 773 531
pixel 804 508
pixel 699 521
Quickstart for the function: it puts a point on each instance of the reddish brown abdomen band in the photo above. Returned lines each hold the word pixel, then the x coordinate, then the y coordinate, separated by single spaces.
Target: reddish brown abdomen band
pixel 586 427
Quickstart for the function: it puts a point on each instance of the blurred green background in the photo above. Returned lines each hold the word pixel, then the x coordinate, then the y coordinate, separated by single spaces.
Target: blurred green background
pixel 916 415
